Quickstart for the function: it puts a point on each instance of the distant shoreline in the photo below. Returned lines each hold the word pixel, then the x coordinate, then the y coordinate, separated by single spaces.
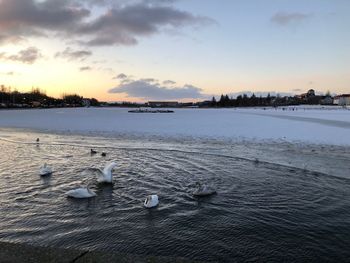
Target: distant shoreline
pixel 306 106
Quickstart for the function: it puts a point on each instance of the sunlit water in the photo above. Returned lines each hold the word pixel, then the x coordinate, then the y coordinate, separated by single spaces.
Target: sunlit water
pixel 292 205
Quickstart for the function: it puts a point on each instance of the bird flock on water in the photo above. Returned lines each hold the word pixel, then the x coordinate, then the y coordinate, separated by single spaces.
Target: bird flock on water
pixel 105 176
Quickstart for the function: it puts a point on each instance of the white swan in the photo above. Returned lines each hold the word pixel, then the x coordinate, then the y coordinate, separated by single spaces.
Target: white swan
pixel 151 201
pixel 45 170
pixel 105 175
pixel 203 190
pixel 82 192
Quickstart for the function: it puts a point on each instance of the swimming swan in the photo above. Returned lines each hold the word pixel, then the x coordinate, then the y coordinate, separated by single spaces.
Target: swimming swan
pixel 105 175
pixel 82 192
pixel 203 190
pixel 151 201
pixel 45 170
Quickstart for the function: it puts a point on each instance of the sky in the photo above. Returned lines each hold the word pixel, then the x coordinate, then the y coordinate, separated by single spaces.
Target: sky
pixel 184 50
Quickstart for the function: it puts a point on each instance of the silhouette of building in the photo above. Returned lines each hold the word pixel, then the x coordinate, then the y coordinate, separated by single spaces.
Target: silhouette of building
pixel 326 100
pixel 159 104
pixel 342 100
pixel 307 95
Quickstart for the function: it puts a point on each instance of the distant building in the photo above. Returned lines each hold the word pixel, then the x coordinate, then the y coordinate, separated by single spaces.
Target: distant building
pixel 307 95
pixel 342 100
pixel 86 103
pixel 310 93
pixel 186 104
pixel 36 104
pixel 326 100
pixel 206 103
pixel 158 104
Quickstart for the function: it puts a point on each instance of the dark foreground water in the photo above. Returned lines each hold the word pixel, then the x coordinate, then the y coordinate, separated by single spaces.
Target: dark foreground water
pixel 274 210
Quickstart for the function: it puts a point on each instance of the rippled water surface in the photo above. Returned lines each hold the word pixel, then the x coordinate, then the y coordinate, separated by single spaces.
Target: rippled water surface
pixel 274 209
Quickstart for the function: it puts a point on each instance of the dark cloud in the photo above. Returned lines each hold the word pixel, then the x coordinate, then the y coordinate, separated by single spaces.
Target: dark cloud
pixel 85 68
pixel 121 76
pixel 149 80
pixel 94 2
pixel 28 17
pixel 8 39
pixel 27 56
pixel 169 82
pixel 124 25
pixel 120 22
pixel 70 54
pixel 154 91
pixel 125 2
pixel 283 19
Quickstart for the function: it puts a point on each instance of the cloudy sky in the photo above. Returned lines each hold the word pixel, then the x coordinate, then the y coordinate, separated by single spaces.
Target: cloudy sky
pixel 141 50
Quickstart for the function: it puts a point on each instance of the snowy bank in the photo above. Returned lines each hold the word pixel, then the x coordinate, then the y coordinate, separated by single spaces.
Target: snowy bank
pixel 312 125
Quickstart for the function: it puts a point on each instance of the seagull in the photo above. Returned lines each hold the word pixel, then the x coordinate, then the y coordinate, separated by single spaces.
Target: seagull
pixel 82 192
pixel 105 175
pixel 45 170
pixel 151 201
pixel 203 190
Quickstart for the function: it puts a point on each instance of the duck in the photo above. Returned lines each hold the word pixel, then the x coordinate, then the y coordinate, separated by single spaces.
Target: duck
pixel 105 175
pixel 45 170
pixel 151 201
pixel 80 193
pixel 92 151
pixel 103 154
pixel 203 190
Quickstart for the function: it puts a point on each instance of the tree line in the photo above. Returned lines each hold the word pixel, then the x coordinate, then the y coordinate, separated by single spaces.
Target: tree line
pixel 37 98
pixel 253 101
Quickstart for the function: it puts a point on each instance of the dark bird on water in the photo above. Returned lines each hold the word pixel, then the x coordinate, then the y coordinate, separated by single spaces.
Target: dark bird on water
pixel 103 154
pixel 37 140
pixel 92 151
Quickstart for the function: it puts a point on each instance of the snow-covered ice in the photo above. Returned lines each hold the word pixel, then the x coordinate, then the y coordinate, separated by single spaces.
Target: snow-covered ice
pixel 323 126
